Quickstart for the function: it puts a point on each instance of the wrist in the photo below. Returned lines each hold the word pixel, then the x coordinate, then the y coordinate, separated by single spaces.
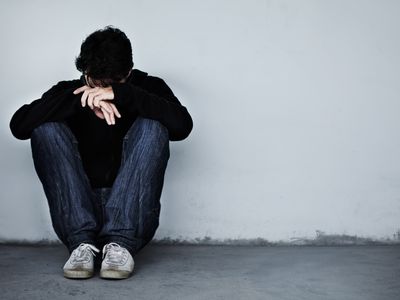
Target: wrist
pixel 120 91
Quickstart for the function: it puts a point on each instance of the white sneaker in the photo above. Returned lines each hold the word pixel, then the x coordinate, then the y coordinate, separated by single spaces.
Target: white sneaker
pixel 117 262
pixel 81 263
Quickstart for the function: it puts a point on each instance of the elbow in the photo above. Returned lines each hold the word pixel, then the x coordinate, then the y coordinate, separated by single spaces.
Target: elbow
pixel 183 131
pixel 17 131
pixel 20 134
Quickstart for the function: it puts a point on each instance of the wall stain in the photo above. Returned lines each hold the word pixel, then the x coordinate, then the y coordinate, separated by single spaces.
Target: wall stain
pixel 320 239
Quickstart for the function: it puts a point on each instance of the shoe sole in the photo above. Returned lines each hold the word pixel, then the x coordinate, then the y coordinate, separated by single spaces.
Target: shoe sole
pixel 114 274
pixel 78 274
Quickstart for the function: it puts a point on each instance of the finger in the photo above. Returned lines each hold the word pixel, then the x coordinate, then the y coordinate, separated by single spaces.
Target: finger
pixel 90 100
pixel 83 97
pixel 112 118
pixel 106 115
pixel 97 97
pixel 114 108
pixel 111 113
pixel 105 106
pixel 90 97
pixel 81 89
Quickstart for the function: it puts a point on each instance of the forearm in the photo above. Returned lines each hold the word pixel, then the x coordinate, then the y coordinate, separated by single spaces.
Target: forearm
pixel 165 108
pixel 57 104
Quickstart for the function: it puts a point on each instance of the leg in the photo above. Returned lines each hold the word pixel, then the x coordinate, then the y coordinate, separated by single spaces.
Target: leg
pixel 101 195
pixel 131 214
pixel 59 167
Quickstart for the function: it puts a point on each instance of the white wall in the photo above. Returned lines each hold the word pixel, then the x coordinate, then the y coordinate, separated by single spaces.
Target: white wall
pixel 295 107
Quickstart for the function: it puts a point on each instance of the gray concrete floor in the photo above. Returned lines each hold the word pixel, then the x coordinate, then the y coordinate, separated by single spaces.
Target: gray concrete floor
pixel 211 272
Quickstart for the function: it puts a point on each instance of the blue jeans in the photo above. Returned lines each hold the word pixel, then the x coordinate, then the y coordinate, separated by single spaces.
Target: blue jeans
pixel 128 212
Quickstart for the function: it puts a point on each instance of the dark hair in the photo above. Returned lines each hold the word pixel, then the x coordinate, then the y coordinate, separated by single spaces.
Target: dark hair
pixel 106 55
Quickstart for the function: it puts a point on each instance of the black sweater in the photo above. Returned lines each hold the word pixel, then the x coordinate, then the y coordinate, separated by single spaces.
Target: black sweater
pixel 100 144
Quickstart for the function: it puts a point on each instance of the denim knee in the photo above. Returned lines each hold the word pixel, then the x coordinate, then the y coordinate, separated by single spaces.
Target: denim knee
pixel 148 129
pixel 147 134
pixel 49 131
pixel 153 125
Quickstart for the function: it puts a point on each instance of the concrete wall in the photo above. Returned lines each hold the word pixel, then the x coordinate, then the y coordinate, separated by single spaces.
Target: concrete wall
pixel 295 107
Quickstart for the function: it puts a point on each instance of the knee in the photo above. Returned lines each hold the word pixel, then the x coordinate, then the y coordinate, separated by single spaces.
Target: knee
pixel 153 127
pixel 48 131
pixel 147 134
pixel 47 128
pixel 152 131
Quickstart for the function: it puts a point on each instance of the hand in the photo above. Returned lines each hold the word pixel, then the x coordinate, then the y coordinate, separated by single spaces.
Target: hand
pixel 106 111
pixel 95 98
pixel 94 95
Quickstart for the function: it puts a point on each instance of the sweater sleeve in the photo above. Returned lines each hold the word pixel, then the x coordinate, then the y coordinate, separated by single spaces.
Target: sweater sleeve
pixel 57 104
pixel 160 105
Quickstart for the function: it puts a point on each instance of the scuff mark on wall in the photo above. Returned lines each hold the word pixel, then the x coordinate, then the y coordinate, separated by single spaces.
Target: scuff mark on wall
pixel 320 239
pixel 323 239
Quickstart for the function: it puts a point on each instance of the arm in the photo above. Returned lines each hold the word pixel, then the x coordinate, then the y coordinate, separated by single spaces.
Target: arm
pixel 57 104
pixel 162 105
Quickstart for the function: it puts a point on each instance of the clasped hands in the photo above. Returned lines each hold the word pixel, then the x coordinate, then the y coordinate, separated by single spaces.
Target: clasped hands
pixel 99 100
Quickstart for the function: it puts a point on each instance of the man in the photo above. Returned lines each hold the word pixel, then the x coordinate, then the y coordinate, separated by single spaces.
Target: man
pixel 100 147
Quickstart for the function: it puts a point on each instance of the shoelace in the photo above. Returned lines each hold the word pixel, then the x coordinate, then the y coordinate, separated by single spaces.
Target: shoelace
pixel 83 250
pixel 115 253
